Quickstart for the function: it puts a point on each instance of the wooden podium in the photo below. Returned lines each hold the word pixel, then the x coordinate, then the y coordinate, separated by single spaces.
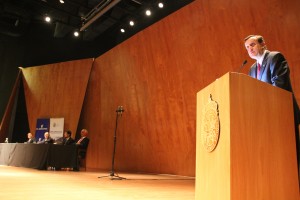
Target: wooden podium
pixel 254 157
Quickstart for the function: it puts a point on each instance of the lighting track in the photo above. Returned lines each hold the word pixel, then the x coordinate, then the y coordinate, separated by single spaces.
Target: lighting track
pixel 97 12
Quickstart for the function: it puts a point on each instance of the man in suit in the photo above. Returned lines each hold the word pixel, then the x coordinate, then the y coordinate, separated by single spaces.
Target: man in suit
pixel 31 139
pixel 47 139
pixel 67 138
pixel 271 67
pixel 82 144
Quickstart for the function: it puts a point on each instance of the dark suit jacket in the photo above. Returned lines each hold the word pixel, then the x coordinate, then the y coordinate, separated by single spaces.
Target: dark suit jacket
pixel 69 141
pixel 47 141
pixel 84 143
pixel 275 71
pixel 32 140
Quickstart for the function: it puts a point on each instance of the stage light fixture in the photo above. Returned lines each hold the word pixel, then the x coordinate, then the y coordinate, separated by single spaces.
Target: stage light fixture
pixel 48 19
pixel 122 30
pixel 160 5
pixel 148 12
pixel 131 23
pixel 76 33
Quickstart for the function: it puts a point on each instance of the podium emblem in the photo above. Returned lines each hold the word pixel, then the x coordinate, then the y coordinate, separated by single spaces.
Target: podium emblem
pixel 210 129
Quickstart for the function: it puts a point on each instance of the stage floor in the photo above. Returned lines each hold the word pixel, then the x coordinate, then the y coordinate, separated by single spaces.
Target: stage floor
pixel 25 183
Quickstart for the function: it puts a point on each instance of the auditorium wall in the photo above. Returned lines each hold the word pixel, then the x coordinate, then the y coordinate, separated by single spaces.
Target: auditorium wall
pixel 56 91
pixel 156 74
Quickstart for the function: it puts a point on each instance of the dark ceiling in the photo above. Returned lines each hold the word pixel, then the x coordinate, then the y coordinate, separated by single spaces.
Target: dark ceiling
pixel 97 19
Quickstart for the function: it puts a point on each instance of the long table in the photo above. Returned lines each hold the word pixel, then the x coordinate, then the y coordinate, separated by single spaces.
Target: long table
pixel 38 156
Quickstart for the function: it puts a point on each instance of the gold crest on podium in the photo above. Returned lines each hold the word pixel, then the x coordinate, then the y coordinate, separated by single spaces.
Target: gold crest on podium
pixel 210 129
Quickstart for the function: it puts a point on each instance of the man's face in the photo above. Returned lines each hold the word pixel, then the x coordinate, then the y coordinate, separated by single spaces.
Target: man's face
pixel 83 133
pixel 255 50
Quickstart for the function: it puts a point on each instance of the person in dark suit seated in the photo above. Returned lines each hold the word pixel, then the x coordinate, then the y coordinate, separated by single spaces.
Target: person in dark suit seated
pixel 47 139
pixel 67 138
pixel 82 144
pixel 31 139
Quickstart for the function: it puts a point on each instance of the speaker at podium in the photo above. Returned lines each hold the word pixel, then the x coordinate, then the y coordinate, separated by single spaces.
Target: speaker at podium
pixel 246 147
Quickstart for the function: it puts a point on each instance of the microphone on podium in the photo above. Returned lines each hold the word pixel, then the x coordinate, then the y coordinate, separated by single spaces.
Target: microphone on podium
pixel 241 67
pixel 120 110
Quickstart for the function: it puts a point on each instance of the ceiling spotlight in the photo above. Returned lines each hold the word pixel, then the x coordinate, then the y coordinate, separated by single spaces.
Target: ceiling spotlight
pixel 148 12
pixel 122 30
pixel 47 19
pixel 76 33
pixel 160 5
pixel 131 23
pixel 61 1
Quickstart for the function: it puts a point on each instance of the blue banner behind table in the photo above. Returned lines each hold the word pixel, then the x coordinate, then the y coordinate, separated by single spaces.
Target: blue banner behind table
pixel 42 126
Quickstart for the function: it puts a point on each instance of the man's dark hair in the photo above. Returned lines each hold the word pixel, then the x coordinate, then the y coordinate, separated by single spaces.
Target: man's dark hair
pixel 259 38
pixel 69 132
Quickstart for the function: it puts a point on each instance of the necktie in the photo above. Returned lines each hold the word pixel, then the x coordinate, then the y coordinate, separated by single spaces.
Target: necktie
pixel 258 70
pixel 80 140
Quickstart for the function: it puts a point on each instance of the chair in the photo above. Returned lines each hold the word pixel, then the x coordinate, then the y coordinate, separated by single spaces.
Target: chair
pixel 82 158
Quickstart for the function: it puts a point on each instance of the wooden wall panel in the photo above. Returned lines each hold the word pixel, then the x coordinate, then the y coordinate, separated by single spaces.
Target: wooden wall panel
pixel 56 90
pixel 156 74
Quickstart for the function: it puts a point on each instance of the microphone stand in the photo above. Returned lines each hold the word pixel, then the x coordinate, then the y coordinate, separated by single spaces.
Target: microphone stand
pixel 112 174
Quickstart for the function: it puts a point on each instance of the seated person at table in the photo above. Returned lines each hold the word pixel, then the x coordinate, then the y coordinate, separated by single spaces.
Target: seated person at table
pixel 67 138
pixel 47 139
pixel 31 139
pixel 82 144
